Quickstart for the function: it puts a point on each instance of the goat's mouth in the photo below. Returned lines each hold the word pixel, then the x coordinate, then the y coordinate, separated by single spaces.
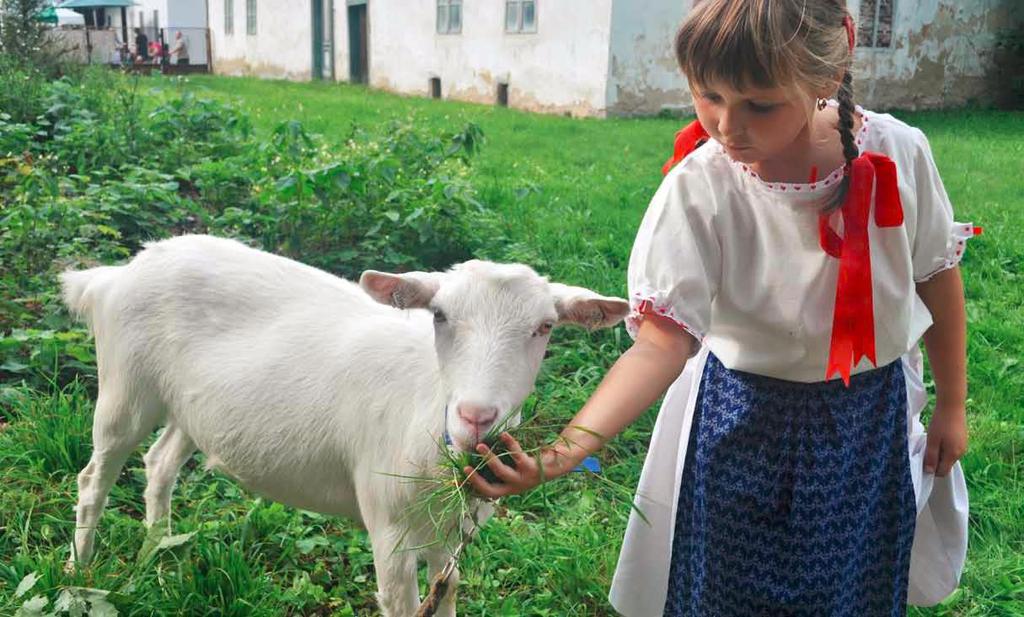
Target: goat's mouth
pixel 467 439
pixel 465 436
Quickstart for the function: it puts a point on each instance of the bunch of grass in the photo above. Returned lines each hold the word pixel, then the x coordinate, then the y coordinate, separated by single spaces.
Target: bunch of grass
pixel 448 506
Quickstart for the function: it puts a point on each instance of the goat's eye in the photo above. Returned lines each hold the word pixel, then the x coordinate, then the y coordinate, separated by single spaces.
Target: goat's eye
pixel 440 317
pixel 544 329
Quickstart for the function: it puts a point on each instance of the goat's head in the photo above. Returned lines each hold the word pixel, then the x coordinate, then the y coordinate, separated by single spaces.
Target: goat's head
pixel 492 323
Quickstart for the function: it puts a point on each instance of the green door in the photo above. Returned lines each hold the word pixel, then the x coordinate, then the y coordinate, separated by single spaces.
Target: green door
pixel 318 38
pixel 359 62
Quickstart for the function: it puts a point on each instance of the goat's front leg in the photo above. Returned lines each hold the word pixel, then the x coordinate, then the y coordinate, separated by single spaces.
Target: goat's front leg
pixel 397 588
pixel 437 559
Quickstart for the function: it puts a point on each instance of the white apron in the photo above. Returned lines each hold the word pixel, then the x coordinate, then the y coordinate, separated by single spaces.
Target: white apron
pixel 640 584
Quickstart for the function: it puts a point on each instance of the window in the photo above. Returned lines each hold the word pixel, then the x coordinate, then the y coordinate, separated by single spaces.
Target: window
pixel 156 20
pixel 229 16
pixel 520 16
pixel 435 87
pixel 449 16
pixel 250 16
pixel 875 23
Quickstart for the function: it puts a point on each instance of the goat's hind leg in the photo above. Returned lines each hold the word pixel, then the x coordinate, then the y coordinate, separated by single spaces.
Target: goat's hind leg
pixel 116 431
pixel 163 461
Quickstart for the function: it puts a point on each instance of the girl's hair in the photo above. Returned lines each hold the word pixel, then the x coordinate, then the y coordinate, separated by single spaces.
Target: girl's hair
pixel 773 43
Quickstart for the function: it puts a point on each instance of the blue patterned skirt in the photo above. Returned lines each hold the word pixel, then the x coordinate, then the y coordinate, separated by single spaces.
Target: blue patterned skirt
pixel 796 498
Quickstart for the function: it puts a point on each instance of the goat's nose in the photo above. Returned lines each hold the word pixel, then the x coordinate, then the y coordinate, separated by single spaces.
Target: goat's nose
pixel 479 416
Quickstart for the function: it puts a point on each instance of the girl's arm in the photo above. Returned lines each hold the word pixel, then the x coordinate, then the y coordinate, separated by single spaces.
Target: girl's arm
pixel 634 382
pixel 946 345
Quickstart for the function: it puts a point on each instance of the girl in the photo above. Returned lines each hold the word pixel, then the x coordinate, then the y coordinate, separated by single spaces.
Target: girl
pixel 788 472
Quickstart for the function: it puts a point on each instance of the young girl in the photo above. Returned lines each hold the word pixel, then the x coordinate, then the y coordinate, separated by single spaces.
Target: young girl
pixel 788 473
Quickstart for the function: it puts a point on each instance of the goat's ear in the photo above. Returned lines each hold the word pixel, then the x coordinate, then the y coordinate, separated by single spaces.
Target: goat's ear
pixel 404 291
pixel 585 308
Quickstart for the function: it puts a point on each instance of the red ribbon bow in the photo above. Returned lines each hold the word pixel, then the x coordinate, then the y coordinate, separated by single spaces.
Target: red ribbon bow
pixel 853 321
pixel 687 140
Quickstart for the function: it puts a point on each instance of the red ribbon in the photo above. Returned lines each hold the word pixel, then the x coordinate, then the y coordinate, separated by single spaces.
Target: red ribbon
pixel 688 139
pixel 853 321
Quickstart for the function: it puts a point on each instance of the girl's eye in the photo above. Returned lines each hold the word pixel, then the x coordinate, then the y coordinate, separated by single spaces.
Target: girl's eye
pixel 761 108
pixel 440 317
pixel 544 329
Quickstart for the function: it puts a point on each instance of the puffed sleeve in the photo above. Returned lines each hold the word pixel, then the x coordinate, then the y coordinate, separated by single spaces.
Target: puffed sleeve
pixel 938 241
pixel 675 262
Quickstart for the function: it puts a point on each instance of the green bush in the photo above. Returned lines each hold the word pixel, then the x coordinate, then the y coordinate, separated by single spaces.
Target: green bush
pixel 397 201
pixel 98 170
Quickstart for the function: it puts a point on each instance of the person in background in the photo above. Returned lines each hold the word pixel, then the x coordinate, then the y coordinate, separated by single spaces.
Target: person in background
pixel 180 49
pixel 141 46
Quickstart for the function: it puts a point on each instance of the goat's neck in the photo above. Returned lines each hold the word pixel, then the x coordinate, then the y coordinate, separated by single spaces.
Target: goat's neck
pixel 422 436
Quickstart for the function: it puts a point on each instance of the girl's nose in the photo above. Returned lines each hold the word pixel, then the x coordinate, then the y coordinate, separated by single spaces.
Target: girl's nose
pixel 728 124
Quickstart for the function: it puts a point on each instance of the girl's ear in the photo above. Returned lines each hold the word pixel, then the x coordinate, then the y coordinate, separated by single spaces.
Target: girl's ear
pixel 585 308
pixel 403 291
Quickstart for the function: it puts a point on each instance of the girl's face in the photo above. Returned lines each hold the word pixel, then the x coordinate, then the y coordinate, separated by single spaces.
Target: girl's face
pixel 754 125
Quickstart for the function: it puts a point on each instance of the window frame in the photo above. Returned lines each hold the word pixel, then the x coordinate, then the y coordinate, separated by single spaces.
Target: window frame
pixel 251 25
pixel 520 27
pixel 875 21
pixel 229 17
pixel 447 26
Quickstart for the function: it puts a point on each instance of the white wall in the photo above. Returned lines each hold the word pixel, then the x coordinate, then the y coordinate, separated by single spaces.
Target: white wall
pixel 561 68
pixel 341 68
pixel 146 8
pixel 282 47
pixel 643 75
pixel 186 13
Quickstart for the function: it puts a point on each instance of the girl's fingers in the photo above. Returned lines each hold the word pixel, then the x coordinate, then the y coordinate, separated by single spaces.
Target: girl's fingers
pixel 480 485
pixel 946 462
pixel 521 458
pixel 511 443
pixel 504 473
pixel 931 454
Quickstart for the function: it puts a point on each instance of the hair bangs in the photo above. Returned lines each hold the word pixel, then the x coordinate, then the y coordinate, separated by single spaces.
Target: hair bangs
pixel 734 43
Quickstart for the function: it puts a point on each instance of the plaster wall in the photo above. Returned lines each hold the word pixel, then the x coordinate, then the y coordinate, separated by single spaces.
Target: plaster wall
pixel 561 68
pixel 643 76
pixel 941 55
pixel 281 47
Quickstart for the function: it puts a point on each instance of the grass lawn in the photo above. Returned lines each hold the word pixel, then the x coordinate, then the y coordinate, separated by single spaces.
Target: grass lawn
pixel 571 193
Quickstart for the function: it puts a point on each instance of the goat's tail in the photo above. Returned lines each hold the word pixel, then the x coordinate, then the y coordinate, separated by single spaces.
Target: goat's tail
pixel 80 287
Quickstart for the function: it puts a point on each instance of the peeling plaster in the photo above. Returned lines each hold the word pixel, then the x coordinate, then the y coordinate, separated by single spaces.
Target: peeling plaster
pixel 941 55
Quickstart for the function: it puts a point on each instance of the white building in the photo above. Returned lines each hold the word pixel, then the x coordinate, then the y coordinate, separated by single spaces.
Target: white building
pixel 582 57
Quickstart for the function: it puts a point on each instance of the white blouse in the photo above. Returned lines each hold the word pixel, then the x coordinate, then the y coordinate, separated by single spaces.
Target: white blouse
pixel 736 260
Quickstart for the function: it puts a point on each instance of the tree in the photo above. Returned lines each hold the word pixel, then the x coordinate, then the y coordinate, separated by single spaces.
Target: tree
pixel 23 36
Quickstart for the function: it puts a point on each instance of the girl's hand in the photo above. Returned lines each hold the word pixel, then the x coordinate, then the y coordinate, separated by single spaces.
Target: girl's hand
pixel 947 439
pixel 525 475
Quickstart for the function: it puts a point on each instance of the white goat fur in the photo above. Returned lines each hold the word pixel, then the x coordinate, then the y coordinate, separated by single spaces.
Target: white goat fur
pixel 303 386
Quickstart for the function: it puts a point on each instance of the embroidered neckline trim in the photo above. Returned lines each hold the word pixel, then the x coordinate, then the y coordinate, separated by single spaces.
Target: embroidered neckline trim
pixel 805 187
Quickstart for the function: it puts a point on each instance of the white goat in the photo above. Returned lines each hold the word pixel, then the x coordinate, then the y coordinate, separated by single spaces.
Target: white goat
pixel 304 387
